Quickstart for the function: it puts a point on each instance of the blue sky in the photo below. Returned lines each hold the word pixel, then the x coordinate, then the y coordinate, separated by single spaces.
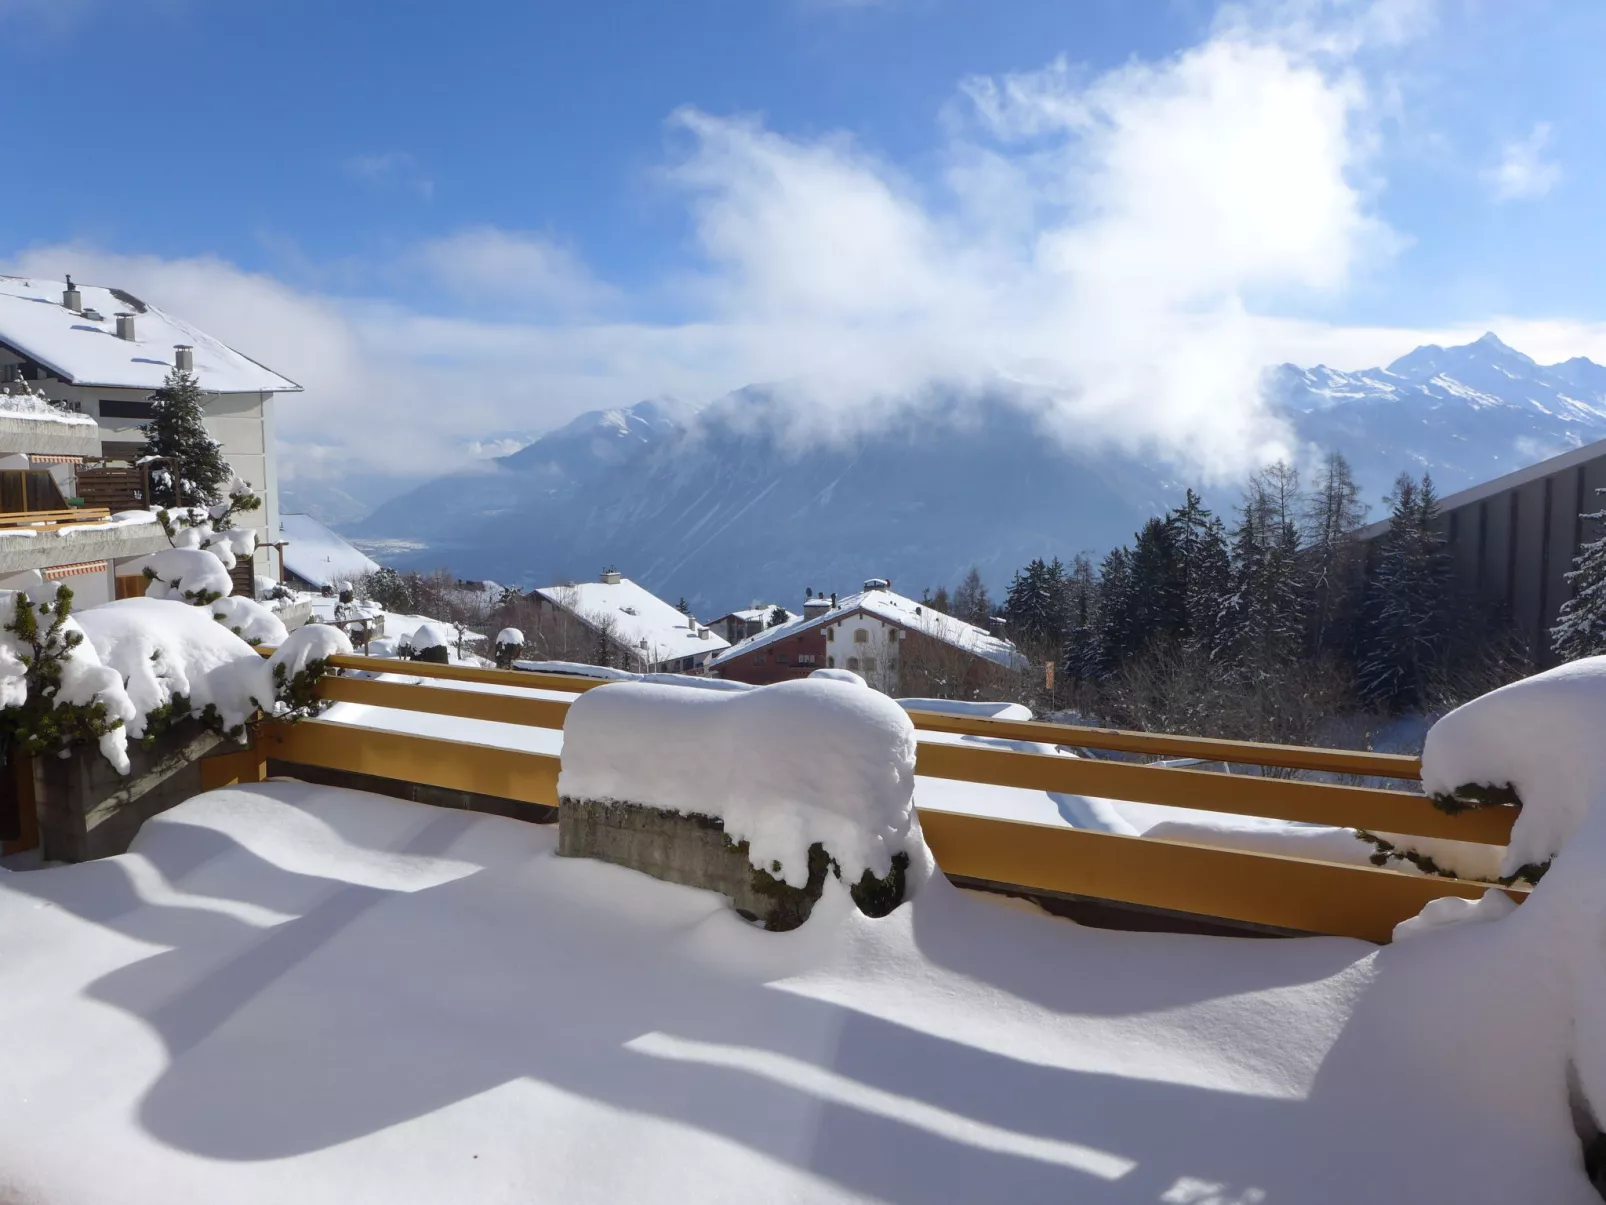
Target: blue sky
pixel 533 209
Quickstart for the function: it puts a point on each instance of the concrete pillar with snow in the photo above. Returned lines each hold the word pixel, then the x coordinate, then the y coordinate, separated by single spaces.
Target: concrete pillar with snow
pixel 767 795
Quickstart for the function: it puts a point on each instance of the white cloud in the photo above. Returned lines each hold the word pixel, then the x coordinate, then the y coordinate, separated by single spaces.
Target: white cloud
pixel 1523 171
pixel 1120 249
pixel 499 267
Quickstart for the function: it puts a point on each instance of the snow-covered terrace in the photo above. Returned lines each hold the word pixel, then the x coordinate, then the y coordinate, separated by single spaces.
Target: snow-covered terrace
pixel 289 992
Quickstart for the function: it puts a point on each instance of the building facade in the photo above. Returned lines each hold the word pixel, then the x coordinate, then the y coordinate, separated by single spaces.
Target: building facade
pixel 102 352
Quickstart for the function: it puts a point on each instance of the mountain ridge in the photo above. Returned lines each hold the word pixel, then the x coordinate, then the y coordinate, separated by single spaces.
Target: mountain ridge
pixel 721 505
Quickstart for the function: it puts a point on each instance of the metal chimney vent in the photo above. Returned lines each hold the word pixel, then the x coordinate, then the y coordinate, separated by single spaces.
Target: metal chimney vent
pixel 183 357
pixel 125 327
pixel 72 299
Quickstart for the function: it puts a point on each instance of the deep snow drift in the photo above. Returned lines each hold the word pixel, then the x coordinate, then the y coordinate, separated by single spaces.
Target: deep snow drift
pixel 288 993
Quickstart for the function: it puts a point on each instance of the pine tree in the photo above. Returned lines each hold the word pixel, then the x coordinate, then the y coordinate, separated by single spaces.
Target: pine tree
pixel 939 600
pixel 778 616
pixel 192 471
pixel 1408 600
pixel 971 602
pixel 1035 607
pixel 1334 512
pixel 1580 630
pixel 1262 614
pixel 1114 626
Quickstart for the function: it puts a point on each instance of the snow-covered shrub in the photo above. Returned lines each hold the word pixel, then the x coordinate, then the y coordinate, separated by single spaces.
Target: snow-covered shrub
pixel 509 647
pixel 296 665
pixel 54 690
pixel 179 663
pixel 793 771
pixel 429 642
pixel 249 620
pixel 188 575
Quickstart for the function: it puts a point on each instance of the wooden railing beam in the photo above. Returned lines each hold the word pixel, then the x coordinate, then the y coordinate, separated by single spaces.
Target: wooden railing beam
pixel 1204 790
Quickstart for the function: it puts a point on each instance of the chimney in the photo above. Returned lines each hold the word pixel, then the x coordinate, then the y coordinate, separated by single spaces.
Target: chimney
pixel 125 327
pixel 72 298
pixel 183 357
pixel 610 577
pixel 819 604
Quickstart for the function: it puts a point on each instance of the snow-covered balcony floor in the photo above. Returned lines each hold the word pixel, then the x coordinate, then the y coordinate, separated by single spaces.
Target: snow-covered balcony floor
pixel 288 993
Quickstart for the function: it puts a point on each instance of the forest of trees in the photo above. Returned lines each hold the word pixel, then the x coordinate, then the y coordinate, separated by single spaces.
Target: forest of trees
pixel 1263 624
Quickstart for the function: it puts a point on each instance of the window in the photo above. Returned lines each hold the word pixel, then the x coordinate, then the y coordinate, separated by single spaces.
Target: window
pixel 807 659
pixel 780 659
pixel 869 665
pixel 758 659
pixel 830 663
pixel 117 408
pixel 830 634
pixel 861 636
pixel 853 663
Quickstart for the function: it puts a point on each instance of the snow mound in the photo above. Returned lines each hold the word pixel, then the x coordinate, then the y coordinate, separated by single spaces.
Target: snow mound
pixel 184 573
pixel 782 767
pixel 976 710
pixel 432 635
pixel 164 649
pixel 1540 736
pixel 309 643
pixel 837 675
pixel 248 619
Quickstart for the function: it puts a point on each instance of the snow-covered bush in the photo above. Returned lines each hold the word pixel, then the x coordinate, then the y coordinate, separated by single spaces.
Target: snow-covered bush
pixel 54 690
pixel 794 771
pixel 509 647
pixel 178 663
pixel 188 575
pixel 249 620
pixel 429 642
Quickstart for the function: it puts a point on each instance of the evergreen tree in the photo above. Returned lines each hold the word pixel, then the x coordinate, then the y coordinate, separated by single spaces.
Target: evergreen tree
pixel 1262 614
pixel 1035 606
pixel 939 601
pixel 192 471
pixel 971 602
pixel 1408 600
pixel 1580 630
pixel 777 617
pixel 1334 512
pixel 1079 659
pixel 1114 626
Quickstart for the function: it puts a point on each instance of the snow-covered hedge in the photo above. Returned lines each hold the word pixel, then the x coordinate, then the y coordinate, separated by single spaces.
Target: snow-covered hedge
pixel 129 669
pixel 783 767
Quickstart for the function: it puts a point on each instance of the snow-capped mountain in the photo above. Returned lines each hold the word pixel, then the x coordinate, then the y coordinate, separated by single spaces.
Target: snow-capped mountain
pixel 719 506
pixel 1465 414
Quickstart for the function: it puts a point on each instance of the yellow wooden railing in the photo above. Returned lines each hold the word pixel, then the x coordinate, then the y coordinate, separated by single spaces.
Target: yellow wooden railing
pixel 1261 888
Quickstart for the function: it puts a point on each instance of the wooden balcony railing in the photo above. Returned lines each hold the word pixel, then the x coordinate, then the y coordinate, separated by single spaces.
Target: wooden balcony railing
pixel 1260 888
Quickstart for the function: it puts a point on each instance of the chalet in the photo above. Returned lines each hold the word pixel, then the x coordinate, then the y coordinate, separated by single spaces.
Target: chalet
pixel 739 625
pixel 316 558
pixel 896 644
pixel 630 627
pixel 99 354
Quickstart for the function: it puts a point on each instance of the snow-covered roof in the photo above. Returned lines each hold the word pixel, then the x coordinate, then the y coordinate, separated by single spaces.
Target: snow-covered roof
pixel 84 350
pixel 760 611
pixel 894 608
pixel 637 618
pixel 319 556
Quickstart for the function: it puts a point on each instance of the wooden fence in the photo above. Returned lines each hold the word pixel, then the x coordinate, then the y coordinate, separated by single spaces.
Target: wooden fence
pixel 1260 888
